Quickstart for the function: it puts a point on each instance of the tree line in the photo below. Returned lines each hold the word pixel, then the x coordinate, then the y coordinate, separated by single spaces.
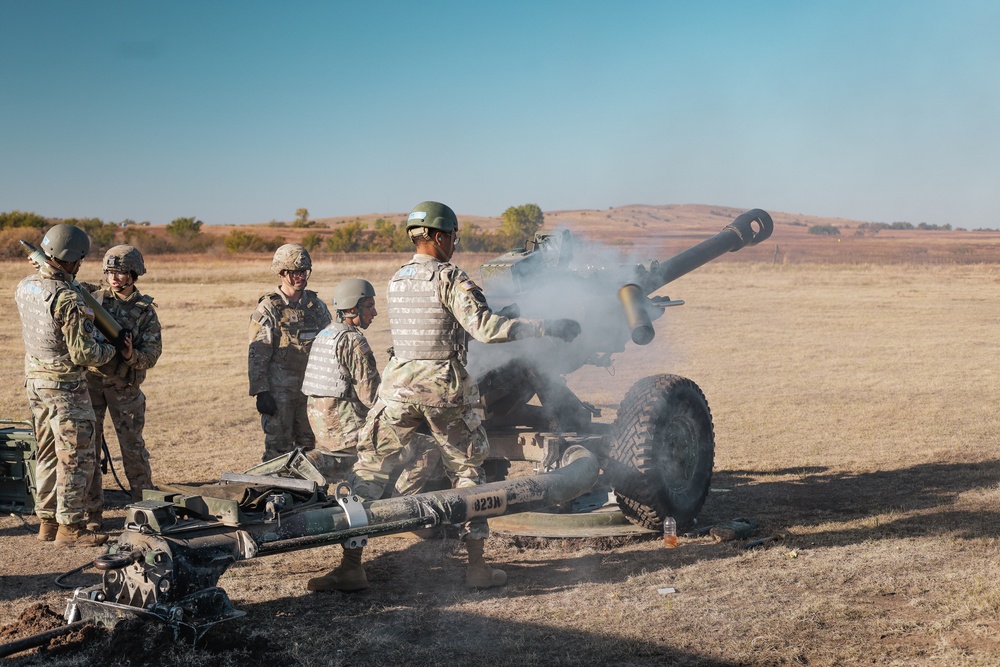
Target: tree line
pixel 185 235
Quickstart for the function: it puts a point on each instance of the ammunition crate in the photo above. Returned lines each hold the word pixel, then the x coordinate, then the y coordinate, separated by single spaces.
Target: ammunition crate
pixel 17 466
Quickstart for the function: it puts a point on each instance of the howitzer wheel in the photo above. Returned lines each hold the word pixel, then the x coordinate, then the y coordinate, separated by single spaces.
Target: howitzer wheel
pixel 664 446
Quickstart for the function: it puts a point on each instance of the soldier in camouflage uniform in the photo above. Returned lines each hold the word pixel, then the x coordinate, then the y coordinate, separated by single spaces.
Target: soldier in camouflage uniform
pixel 58 330
pixel 341 378
pixel 341 385
pixel 433 309
pixel 282 329
pixel 115 386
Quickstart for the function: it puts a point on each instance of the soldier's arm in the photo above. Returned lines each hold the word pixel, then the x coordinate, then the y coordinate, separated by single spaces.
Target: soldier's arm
pixel 147 345
pixel 78 331
pixel 467 303
pixel 360 362
pixel 326 317
pixel 262 328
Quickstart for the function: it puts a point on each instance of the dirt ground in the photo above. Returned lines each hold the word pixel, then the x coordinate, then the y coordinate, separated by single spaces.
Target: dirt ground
pixel 855 416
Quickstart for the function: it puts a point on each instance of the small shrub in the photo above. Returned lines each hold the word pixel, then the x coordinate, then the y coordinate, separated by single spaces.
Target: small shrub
pixel 240 241
pixel 22 219
pixel 347 238
pixel 184 228
pixel 311 241
pixel 102 235
pixel 829 230
pixel 10 237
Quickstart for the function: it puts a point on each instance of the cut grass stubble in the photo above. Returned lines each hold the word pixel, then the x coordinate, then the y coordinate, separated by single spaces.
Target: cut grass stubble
pixel 855 413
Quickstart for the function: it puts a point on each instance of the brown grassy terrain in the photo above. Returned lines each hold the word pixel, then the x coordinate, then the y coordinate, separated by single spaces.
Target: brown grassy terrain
pixel 855 414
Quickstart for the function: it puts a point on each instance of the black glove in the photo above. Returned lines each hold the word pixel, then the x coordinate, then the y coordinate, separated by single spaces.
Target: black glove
pixel 510 311
pixel 119 341
pixel 266 404
pixel 564 329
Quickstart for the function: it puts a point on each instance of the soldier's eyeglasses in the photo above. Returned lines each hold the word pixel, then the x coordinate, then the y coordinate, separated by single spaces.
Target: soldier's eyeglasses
pixel 296 273
pixel 120 274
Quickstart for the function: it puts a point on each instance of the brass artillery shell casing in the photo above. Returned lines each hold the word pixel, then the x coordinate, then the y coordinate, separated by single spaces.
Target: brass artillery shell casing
pixel 634 305
pixel 102 318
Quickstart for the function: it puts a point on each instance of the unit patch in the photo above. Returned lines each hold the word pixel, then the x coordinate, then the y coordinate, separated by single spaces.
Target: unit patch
pixel 474 291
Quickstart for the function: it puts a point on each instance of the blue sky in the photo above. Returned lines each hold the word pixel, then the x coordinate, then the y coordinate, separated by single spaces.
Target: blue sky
pixel 242 112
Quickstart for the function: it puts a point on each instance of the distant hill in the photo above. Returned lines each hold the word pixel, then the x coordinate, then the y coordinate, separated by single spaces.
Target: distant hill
pixel 662 230
pixel 644 232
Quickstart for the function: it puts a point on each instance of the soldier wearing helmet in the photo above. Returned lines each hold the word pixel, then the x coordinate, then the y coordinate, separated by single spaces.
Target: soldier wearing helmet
pixel 341 378
pixel 60 342
pixel 115 386
pixel 341 383
pixel 282 329
pixel 434 307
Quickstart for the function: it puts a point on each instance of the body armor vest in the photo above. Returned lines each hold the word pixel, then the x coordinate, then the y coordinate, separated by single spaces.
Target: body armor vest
pixel 325 375
pixel 422 328
pixel 298 325
pixel 43 339
pixel 127 315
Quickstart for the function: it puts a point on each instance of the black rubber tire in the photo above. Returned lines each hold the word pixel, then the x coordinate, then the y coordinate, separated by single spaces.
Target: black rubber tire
pixel 663 449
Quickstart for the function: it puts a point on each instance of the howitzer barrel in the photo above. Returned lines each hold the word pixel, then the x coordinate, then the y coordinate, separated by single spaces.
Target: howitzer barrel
pixel 749 228
pixel 107 324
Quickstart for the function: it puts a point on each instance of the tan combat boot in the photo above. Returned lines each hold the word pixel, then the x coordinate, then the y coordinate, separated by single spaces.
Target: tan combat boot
pixel 77 535
pixel 349 575
pixel 479 574
pixel 95 521
pixel 47 530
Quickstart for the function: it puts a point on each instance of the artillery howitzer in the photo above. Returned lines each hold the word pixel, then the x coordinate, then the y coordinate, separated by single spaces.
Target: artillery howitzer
pixel 657 456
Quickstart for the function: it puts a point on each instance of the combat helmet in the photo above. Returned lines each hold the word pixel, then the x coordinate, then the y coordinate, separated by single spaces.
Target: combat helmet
pixel 349 293
pixel 66 243
pixel 291 257
pixel 432 215
pixel 124 258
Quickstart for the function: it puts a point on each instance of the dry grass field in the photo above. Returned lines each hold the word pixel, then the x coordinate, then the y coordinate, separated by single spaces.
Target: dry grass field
pixel 856 414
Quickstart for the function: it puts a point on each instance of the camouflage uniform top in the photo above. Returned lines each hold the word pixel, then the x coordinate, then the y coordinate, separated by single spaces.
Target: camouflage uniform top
pixel 445 382
pixel 280 335
pixel 352 352
pixel 135 313
pixel 56 322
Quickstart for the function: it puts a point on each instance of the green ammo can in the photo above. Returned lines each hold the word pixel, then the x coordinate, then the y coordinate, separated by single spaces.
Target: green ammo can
pixel 17 466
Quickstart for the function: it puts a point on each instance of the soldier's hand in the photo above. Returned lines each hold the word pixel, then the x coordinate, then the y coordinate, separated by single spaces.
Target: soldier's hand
pixel 266 404
pixel 510 311
pixel 123 343
pixel 564 329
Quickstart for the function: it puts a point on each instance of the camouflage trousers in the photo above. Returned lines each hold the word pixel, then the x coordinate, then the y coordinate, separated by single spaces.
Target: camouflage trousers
pixel 287 428
pixel 458 438
pixel 127 407
pixel 339 424
pixel 64 429
pixel 335 422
